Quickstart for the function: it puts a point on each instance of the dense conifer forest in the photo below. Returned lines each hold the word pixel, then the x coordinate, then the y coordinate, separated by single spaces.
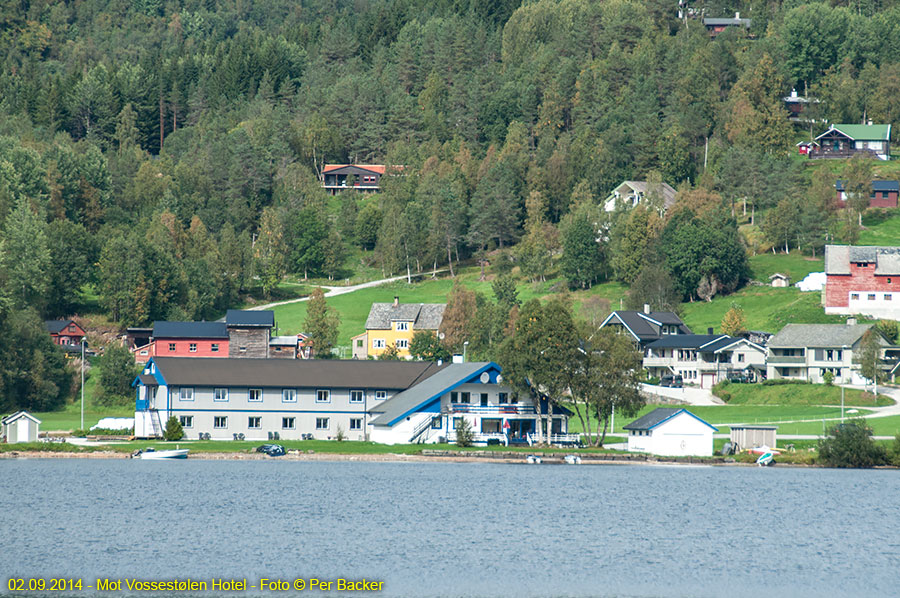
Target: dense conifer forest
pixel 161 159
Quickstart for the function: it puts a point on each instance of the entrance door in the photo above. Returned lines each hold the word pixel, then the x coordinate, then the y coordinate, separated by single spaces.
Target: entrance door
pixel 22 427
pixel 520 428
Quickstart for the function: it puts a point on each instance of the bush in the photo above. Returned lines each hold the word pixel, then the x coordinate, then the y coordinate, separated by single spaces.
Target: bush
pixel 895 452
pixel 828 378
pixel 721 390
pixel 653 380
pixel 464 434
pixel 173 431
pixel 851 445
pixel 339 434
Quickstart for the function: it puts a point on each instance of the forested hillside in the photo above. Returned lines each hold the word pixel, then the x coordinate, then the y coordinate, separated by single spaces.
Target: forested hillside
pixel 161 157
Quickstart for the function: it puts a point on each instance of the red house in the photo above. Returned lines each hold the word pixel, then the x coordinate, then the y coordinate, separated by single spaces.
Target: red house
pixel 65 332
pixel 862 280
pixel 884 194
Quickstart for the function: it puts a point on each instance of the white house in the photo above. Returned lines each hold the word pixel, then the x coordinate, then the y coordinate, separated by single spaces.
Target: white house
pixel 20 427
pixel 631 193
pixel 704 359
pixel 385 401
pixel 670 431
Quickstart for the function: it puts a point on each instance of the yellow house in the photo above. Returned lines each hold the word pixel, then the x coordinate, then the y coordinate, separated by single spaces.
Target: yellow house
pixel 394 324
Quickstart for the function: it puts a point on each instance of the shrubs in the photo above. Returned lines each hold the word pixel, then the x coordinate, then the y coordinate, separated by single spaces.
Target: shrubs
pixel 173 431
pixel 721 390
pixel 828 378
pixel 851 445
pixel 464 434
pixel 781 381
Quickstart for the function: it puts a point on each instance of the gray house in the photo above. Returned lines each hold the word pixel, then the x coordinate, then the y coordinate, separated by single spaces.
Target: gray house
pixel 646 326
pixel 808 351
pixel 20 427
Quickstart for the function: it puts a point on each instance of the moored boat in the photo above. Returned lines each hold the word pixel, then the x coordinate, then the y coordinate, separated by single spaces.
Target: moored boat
pixel 152 453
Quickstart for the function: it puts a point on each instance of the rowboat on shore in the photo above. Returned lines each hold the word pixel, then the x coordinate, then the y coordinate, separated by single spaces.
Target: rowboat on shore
pixel 154 454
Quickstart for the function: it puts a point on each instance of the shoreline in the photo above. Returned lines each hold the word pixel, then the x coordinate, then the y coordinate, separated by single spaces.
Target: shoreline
pixel 433 456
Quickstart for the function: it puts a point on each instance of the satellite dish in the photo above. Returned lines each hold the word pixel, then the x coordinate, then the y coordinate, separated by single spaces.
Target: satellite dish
pixel 499 379
pixel 441 335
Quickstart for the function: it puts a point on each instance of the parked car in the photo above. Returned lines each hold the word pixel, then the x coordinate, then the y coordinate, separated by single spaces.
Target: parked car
pixel 739 378
pixel 672 381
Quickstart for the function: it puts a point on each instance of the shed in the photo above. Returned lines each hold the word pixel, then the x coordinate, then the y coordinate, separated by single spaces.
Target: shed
pixel 670 431
pixel 20 427
pixel 780 280
pixel 746 437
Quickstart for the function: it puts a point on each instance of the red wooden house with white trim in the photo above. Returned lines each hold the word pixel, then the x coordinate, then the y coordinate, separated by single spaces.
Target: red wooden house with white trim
pixel 862 280
pixel 65 332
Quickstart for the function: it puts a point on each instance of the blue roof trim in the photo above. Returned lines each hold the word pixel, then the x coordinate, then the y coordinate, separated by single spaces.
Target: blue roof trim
pixel 429 402
pixel 156 374
pixel 679 412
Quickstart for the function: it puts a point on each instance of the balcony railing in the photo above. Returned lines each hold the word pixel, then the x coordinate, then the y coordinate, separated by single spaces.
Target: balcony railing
pixel 490 409
pixel 786 360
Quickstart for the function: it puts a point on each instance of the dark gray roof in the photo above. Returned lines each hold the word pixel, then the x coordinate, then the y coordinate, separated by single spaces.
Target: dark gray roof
pixel 641 324
pixel 148 379
pixel 818 335
pixel 876 185
pixel 252 319
pixel 424 316
pixel 658 416
pixel 283 341
pixel 297 373
pixel 165 329
pixel 56 326
pixel 434 386
pixel 691 341
pixel 839 257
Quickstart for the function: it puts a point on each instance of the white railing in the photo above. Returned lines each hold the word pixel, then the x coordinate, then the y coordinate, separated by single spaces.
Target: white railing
pixel 555 439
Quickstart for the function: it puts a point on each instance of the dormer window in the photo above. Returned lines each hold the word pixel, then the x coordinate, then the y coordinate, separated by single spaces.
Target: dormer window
pixel 402 326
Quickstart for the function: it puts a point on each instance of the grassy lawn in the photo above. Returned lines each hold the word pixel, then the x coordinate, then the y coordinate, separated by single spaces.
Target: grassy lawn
pixel 796 265
pixel 795 394
pixel 354 307
pixel 765 308
pixel 886 232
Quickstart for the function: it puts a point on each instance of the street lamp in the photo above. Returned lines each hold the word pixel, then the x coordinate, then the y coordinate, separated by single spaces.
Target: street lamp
pixel 82 382
pixel 465 346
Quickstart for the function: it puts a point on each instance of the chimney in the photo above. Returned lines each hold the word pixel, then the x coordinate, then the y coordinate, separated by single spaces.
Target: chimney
pixel 737 16
pixel 396 300
pixel 794 93
pixel 869 122
pixel 457 358
pixel 709 331
pixel 646 308
pixel 851 321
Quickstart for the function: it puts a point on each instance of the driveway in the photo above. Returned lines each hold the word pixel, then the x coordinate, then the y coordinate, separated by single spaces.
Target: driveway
pixel 687 395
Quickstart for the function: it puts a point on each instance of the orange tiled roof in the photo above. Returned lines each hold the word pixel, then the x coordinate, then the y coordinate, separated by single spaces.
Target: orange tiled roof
pixel 379 168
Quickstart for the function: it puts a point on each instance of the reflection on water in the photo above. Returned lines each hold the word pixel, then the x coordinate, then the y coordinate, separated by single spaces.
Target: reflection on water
pixel 457 530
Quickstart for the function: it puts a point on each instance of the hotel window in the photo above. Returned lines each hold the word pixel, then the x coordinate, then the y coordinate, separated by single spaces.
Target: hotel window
pixel 502 398
pixel 186 421
pixel 288 395
pixel 192 347
pixel 464 397
pixel 402 326
pixel 214 347
pixel 854 296
pixel 220 422
pixel 888 297
pixel 323 396
pixel 380 395
pixel 871 297
pixel 185 394
pixel 402 343
pixel 321 423
pixel 357 396
pixel 220 394
pixel 378 343
pixel 254 423
pixel 254 395
pixel 454 397
pixel 287 423
pixel 355 423
pixel 171 346
pixel 436 423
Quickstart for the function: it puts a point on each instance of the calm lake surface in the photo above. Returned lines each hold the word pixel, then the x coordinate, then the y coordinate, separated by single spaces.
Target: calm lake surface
pixel 457 530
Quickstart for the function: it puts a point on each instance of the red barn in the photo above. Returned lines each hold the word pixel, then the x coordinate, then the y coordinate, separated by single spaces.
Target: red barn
pixel 862 280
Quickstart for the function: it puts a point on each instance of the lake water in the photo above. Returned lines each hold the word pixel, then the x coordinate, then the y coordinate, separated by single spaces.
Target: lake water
pixel 457 530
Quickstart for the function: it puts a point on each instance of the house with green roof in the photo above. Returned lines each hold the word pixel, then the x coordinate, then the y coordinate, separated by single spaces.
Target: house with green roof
pixel 845 141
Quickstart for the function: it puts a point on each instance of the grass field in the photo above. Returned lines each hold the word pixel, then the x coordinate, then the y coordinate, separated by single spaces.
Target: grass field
pixel 354 307
pixel 69 418
pixel 795 394
pixel 796 265
pixel 885 232
pixel 765 308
